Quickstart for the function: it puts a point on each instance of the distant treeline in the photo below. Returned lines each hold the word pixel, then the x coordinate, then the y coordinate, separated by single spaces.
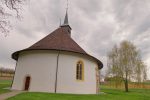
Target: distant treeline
pixel 6 72
pixel 116 82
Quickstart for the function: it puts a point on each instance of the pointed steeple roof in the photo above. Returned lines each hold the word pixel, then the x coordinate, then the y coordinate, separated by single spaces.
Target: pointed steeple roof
pixel 66 22
pixel 66 25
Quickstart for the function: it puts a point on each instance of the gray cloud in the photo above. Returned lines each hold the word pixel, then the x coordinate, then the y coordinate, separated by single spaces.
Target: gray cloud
pixel 90 8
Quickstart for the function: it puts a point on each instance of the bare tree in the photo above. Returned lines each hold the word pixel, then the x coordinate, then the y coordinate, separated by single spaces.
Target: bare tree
pixel 9 8
pixel 125 62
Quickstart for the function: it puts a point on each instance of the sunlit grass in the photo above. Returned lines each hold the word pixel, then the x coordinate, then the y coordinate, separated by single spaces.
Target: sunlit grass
pixel 109 94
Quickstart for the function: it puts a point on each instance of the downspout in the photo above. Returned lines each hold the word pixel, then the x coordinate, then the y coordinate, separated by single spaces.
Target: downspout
pixel 57 72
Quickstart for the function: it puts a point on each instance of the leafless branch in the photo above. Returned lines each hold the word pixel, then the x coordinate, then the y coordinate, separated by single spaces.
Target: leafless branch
pixel 12 5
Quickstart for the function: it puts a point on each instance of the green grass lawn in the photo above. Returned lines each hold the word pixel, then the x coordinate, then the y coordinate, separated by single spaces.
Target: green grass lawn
pixel 4 84
pixel 110 94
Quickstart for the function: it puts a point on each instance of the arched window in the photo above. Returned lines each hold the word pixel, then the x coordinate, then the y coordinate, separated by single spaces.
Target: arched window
pixel 80 70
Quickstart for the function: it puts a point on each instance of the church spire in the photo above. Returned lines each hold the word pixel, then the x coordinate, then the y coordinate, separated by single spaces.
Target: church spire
pixel 66 25
pixel 66 22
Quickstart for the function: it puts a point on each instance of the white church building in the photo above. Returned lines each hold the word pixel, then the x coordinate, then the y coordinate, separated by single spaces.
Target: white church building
pixel 56 64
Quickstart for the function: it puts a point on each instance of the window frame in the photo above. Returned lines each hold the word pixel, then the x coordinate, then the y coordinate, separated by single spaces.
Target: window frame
pixel 80 70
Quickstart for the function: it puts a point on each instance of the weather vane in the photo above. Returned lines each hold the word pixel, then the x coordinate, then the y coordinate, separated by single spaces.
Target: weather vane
pixel 67 5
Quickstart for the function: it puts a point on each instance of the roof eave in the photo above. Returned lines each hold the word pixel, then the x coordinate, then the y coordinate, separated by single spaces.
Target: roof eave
pixel 15 55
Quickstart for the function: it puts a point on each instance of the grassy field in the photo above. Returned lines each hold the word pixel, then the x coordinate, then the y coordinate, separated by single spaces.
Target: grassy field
pixel 4 84
pixel 109 94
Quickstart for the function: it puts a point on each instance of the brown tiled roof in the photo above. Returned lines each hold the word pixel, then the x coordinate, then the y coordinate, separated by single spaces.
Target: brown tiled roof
pixel 57 40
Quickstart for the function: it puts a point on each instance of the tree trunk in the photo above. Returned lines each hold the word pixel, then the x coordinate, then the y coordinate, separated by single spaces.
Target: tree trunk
pixel 126 85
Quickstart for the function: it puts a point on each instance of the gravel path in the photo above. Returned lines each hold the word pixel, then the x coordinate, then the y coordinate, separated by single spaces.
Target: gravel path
pixel 9 94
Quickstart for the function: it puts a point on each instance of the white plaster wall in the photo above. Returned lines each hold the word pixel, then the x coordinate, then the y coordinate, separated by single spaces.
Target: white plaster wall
pixel 41 66
pixel 67 82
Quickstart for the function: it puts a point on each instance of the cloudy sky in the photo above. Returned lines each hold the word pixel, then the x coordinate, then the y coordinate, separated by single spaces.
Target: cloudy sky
pixel 97 25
